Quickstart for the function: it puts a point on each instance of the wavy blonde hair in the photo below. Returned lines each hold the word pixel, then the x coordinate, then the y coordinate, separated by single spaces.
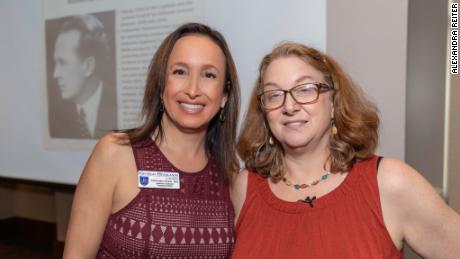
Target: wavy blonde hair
pixel 355 117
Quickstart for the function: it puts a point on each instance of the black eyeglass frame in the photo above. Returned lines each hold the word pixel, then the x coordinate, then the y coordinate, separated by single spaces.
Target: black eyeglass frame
pixel 320 88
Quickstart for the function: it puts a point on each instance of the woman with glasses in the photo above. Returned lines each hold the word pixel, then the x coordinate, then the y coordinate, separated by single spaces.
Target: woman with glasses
pixel 313 187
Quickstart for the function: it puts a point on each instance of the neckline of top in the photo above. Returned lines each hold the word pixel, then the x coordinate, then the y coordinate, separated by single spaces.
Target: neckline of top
pixel 155 148
pixel 327 200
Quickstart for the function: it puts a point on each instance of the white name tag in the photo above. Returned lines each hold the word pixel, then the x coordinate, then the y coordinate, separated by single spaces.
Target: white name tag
pixel 158 179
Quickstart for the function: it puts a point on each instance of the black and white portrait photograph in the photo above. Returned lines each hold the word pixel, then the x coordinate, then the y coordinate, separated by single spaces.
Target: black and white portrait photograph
pixel 81 75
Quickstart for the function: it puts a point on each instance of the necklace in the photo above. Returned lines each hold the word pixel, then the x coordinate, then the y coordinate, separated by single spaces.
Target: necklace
pixel 298 186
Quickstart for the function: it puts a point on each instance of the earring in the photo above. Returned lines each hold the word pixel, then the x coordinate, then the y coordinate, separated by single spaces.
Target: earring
pixel 222 115
pixel 162 106
pixel 271 141
pixel 333 127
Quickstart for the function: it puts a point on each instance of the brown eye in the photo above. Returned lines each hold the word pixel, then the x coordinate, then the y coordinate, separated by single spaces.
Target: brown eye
pixel 210 75
pixel 305 89
pixel 178 71
pixel 273 96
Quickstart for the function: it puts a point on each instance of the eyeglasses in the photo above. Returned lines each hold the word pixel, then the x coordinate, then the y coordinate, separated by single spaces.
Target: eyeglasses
pixel 301 94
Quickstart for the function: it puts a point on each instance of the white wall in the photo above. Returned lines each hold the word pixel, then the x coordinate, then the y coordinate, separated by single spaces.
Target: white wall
pixel 22 154
pixel 251 27
pixel 369 38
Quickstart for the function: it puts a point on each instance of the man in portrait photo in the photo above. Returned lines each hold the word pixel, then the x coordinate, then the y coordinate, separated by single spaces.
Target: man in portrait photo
pixel 82 98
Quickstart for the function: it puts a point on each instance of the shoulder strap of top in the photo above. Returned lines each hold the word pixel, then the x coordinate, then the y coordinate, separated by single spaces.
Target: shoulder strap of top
pixel 369 188
pixel 368 168
pixel 139 149
pixel 369 185
pixel 379 158
pixel 254 179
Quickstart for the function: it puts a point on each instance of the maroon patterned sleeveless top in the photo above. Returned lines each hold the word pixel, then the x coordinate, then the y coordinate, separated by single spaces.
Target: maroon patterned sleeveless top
pixel 195 221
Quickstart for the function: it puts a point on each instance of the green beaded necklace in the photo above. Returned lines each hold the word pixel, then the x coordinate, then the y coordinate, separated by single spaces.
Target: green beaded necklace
pixel 298 186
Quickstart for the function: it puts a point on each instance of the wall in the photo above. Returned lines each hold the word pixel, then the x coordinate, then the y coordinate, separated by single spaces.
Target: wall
pixel 452 140
pixel 265 23
pixel 63 202
pixel 23 155
pixel 21 133
pixel 7 202
pixel 371 47
pixel 33 202
pixel 426 58
pixel 454 144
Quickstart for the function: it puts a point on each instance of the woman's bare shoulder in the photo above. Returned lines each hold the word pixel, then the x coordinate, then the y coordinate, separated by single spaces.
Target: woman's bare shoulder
pixel 396 177
pixel 112 146
pixel 111 153
pixel 238 190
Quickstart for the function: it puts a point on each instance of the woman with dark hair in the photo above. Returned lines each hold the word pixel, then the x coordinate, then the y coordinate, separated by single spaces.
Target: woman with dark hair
pixel 315 188
pixel 161 190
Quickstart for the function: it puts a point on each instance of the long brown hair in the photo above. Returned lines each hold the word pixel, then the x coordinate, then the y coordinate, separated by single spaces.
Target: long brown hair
pixel 355 117
pixel 220 136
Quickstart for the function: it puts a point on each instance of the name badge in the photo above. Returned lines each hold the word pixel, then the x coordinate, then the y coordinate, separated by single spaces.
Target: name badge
pixel 158 180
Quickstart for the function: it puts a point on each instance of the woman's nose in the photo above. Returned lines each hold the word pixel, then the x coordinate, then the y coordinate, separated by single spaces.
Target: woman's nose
pixel 193 87
pixel 290 105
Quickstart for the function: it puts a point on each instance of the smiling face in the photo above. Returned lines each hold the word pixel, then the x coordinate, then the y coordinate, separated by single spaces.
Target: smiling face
pixel 297 125
pixel 194 90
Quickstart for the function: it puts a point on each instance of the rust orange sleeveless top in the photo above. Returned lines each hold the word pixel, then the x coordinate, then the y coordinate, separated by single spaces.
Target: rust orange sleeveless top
pixel 345 223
